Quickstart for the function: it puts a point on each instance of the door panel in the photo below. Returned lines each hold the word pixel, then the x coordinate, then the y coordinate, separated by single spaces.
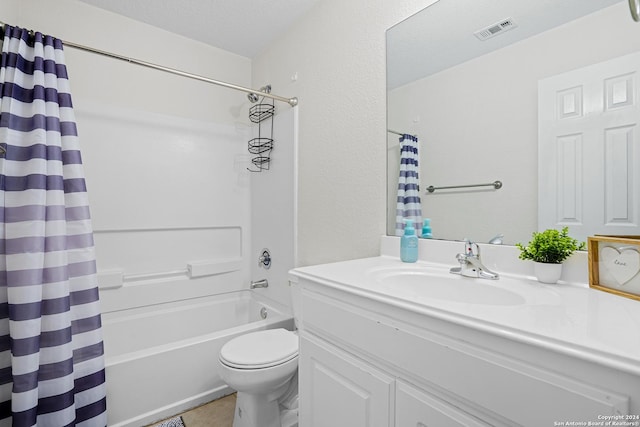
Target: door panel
pixel 588 157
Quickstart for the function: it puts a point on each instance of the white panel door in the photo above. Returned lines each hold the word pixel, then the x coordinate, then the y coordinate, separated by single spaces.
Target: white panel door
pixel 588 154
pixel 417 408
pixel 337 389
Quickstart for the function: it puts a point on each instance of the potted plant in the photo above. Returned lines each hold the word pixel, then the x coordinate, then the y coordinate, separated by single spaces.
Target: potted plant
pixel 548 249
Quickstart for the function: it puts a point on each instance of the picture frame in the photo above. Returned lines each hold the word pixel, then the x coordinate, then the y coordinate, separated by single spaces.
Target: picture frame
pixel 614 264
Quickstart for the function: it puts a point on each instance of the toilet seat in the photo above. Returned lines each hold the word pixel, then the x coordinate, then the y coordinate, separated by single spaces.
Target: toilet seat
pixel 262 349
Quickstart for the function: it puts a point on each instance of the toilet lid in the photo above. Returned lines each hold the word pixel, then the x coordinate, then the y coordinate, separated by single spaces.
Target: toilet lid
pixel 260 349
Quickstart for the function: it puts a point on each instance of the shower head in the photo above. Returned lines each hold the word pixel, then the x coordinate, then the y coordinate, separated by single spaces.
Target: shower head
pixel 254 97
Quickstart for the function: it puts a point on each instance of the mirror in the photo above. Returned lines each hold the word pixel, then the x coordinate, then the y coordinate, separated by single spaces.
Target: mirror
pixel 463 75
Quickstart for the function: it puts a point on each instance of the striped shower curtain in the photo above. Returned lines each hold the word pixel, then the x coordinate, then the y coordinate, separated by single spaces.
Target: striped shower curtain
pixel 408 199
pixel 51 351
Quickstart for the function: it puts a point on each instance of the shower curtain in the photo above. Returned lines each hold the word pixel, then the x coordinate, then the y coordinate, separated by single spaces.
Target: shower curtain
pixel 408 199
pixel 51 351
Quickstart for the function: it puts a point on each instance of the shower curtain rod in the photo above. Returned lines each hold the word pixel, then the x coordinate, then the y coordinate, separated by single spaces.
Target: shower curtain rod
pixel 398 133
pixel 291 101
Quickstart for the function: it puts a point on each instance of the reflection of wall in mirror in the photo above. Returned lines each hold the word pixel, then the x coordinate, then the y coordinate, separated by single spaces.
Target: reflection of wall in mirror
pixel 478 123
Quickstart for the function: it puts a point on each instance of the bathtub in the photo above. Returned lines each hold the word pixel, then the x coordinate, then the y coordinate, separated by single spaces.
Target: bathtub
pixel 162 360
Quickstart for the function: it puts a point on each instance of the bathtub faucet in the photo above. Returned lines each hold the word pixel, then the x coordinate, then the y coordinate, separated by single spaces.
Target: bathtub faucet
pixel 259 284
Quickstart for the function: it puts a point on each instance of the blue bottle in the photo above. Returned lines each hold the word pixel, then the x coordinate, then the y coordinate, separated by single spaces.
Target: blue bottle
pixel 426 229
pixel 409 243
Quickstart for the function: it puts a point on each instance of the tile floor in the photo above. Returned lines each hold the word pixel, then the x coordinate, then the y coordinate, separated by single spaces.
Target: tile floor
pixel 218 413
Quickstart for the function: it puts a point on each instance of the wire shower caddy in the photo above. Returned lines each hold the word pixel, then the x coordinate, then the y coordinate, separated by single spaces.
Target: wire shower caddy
pixel 262 146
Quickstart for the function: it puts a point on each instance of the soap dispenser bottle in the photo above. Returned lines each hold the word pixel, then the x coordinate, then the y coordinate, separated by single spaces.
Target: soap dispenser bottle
pixel 426 229
pixel 409 243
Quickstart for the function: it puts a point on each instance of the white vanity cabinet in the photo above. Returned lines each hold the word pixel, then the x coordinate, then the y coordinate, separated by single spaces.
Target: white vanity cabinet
pixel 368 361
pixel 341 390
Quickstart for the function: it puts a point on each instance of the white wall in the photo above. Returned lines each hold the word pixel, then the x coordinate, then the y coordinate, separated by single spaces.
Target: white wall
pixel 337 52
pixel 117 83
pixel 9 11
pixel 479 123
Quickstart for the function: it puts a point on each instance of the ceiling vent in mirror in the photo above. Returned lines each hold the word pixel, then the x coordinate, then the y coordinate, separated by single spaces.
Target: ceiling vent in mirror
pixel 495 29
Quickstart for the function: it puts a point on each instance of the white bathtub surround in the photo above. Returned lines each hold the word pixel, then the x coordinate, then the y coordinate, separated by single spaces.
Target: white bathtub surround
pixel 185 235
pixel 166 355
pixel 165 249
pixel 475 351
pixel 188 241
pixel 274 208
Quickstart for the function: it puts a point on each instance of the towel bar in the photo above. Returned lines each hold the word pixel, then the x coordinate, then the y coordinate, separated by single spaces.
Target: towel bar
pixel 496 184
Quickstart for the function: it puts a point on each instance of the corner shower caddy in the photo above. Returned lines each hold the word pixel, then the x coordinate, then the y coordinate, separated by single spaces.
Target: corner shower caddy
pixel 261 146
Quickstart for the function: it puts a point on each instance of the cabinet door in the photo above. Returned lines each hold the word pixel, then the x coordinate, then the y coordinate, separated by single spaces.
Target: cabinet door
pixel 337 389
pixel 416 408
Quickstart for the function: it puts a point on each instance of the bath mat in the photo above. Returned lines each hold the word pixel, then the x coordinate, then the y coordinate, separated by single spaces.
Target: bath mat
pixel 173 422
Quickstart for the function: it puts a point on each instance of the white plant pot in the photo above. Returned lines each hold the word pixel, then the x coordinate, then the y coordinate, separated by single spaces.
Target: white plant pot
pixel 547 273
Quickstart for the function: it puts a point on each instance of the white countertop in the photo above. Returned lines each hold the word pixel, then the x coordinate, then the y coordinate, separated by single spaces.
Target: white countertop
pixel 568 318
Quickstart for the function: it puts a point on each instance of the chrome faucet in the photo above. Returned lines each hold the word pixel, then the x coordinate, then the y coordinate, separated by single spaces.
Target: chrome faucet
pixel 497 240
pixel 259 284
pixel 470 263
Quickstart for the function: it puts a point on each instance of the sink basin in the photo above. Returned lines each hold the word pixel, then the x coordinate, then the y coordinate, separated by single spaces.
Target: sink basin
pixel 423 284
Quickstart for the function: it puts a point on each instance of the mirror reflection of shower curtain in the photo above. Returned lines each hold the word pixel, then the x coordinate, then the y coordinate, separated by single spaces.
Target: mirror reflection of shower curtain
pixel 408 201
pixel 51 351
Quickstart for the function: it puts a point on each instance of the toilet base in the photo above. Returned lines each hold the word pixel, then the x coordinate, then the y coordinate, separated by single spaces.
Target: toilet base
pixel 276 409
pixel 256 410
pixel 289 417
pixel 251 413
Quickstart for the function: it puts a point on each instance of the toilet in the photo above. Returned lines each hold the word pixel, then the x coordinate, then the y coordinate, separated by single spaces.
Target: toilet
pixel 262 367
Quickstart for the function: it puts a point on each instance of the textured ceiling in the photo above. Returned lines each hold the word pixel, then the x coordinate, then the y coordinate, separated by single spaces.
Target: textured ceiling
pixel 244 27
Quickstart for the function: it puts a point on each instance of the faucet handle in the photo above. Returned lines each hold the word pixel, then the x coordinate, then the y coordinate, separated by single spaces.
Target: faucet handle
pixel 471 248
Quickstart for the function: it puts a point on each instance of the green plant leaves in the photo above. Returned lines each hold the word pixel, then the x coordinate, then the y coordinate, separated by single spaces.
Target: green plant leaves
pixel 550 246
